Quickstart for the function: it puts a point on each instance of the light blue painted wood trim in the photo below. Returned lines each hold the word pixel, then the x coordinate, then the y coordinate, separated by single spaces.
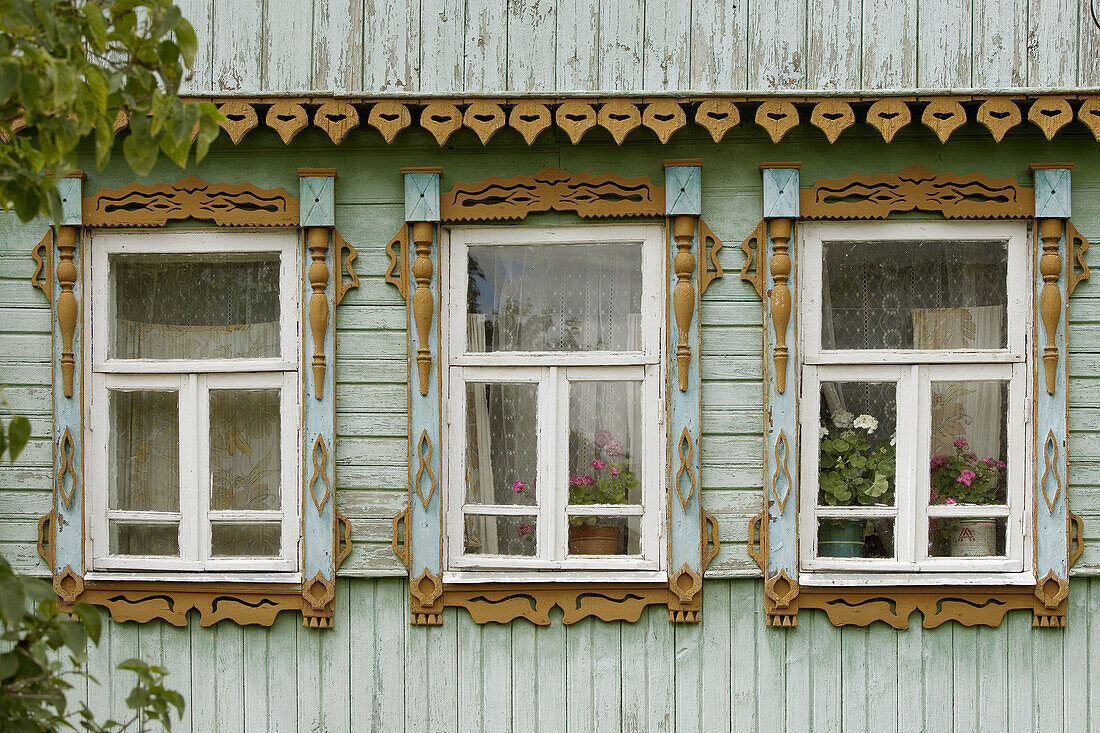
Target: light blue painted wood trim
pixel 317 200
pixel 425 532
pixel 1052 193
pixel 780 193
pixel 70 190
pixel 683 190
pixel 684 464
pixel 1050 433
pixel 318 417
pixel 421 196
pixel 68 438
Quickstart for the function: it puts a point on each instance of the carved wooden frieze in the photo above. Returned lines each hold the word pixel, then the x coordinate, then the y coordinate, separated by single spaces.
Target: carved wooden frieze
pixel 140 205
pixel 589 196
pixel 971 196
pixel 254 603
pixel 502 604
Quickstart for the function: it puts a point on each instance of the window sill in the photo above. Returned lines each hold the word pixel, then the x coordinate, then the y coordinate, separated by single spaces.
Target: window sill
pixel 916 580
pixel 192 577
pixel 520 578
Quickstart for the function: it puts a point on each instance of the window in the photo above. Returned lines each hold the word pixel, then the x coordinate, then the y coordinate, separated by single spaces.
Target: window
pixel 914 402
pixel 554 393
pixel 193 418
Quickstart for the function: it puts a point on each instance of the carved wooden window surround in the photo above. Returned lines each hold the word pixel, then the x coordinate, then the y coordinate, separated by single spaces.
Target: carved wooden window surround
pixel 324 538
pixel 1057 268
pixel 692 265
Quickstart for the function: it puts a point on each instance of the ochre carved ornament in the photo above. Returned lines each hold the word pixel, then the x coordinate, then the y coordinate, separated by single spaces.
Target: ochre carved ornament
pixel 240 118
pixel 780 297
pixel 1050 298
pixel 777 117
pixel 485 119
pixel 888 116
pixel 318 304
pixel 337 119
pixel 999 115
pixel 683 293
pixel 943 116
pixel 619 117
pixel 423 303
pixel 717 116
pixel 530 119
pixel 442 119
pixel 67 310
pixel 1050 114
pixel 287 119
pixel 832 116
pixel 140 205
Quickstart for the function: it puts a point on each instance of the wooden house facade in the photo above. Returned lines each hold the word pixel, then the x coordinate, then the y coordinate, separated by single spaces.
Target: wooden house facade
pixel 790 299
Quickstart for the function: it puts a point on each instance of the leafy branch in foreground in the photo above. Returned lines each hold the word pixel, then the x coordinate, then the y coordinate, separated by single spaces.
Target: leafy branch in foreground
pixel 33 682
pixel 72 69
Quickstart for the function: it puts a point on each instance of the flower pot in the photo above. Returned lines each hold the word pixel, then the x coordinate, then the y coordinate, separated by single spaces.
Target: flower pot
pixel 973 538
pixel 594 540
pixel 840 539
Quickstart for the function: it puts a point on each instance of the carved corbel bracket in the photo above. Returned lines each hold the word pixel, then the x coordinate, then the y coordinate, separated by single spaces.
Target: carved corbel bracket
pixel 318 607
pixel 346 277
pixel 1076 246
pixel 781 600
pixel 1051 592
pixel 42 254
pixel 397 249
pixel 754 246
pixel 426 599
pixel 400 539
pixel 685 599
pixel 709 245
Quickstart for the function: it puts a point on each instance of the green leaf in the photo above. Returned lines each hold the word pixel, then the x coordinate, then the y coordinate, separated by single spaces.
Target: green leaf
pixel 12 600
pixel 19 432
pixel 97 26
pixel 3 439
pixel 133 664
pixel 75 638
pixel 9 664
pixel 188 43
pixel 140 151
pixel 92 620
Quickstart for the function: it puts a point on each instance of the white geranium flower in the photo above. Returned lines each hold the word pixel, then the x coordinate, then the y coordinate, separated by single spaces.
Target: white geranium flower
pixel 894 438
pixel 823 433
pixel 842 419
pixel 866 422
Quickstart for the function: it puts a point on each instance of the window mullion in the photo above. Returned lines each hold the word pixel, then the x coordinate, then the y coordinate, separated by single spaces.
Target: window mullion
pixel 192 423
pixel 551 430
pixel 918 473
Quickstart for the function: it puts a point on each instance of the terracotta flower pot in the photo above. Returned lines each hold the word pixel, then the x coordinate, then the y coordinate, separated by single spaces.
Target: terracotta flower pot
pixel 594 540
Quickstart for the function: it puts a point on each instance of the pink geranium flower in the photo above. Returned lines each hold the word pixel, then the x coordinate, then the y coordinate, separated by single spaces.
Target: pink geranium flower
pixel 602 438
pixel 961 444
pixel 949 500
pixel 525 529
pixel 938 461
pixel 518 486
pixel 598 464
pixel 614 470
pixel 966 476
pixel 613 448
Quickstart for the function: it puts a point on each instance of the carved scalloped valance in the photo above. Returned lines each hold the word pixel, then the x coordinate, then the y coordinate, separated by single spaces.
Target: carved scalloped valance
pixel 972 196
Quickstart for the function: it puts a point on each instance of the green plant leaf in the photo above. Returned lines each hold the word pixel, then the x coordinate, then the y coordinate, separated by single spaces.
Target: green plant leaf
pixel 12 600
pixel 19 432
pixel 188 42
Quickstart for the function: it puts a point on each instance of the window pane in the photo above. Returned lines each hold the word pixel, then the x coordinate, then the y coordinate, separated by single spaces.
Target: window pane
pixel 969 442
pixel 245 467
pixel 605 442
pixel 489 535
pixel 605 535
pixel 981 537
pixel 132 538
pixel 194 307
pixel 856 458
pixel 914 295
pixel 144 461
pixel 555 297
pixel 873 538
pixel 501 443
pixel 245 540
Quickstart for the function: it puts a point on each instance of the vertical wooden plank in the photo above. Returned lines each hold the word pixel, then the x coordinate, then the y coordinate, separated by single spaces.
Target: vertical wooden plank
pixel 99 693
pixel 532 24
pixel 824 689
pixel 237 45
pixel 443 668
pixel 965 673
pixel 485 51
pixel 335 690
pixel 391 45
pixel 1088 49
pixel 746 621
pixel 1021 671
pixel 607 676
pixel 833 50
pixel 378 653
pixel 270 690
pixel 910 673
pixel 889 54
pixel 718 45
pixel 311 697
pixel 1049 673
pixel 771 691
pixel 620 45
pixel 552 676
pixel 798 710
pixel 577 59
pixel 1093 685
pixel 1075 655
pixel 526 674
pixel 853 684
pixel 993 690
pixel 1000 43
pixel 201 15
pixel 944 30
pixel 1051 42
pixel 442 28
pixel 581 677
pixel 338 45
pixel 938 681
pixel 882 679
pixel 690 672
pixel 287 60
pixel 666 48
pixel 716 655
pixel 175 654
pixel 777 45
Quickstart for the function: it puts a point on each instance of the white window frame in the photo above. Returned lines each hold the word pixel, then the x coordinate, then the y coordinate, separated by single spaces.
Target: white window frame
pixel 193 379
pixel 552 372
pixel 914 370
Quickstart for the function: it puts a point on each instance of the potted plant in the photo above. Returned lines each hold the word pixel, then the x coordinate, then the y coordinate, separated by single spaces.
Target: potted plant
pixel 963 478
pixel 855 468
pixel 610 482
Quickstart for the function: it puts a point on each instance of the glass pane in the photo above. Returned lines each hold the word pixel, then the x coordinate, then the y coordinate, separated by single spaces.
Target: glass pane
pixel 489 535
pixel 501 443
pixel 914 295
pixel 969 442
pixel 194 307
pixel 605 442
pixel 145 451
pixel 555 297
pixel 605 535
pixel 856 460
pixel 245 467
pixel 245 540
pixel 983 537
pixel 873 538
pixel 129 538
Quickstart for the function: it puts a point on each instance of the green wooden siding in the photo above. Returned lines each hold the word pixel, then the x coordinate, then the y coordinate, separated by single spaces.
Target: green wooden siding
pixel 728 673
